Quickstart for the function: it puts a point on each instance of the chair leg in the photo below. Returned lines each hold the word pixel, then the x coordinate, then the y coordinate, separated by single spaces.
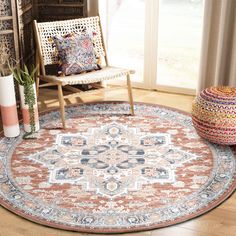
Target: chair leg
pixel 62 105
pixel 38 71
pixel 130 94
pixel 37 86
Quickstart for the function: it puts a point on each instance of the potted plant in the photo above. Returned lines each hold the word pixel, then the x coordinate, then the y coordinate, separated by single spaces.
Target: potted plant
pixel 7 95
pixel 29 107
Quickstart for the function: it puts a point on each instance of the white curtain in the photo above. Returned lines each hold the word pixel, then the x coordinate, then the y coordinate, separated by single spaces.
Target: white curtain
pixel 218 59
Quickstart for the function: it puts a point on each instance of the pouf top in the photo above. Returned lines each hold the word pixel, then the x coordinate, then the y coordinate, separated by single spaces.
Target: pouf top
pixel 222 94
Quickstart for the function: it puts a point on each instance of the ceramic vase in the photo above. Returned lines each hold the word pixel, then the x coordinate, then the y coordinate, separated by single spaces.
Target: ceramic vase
pixel 8 107
pixel 26 112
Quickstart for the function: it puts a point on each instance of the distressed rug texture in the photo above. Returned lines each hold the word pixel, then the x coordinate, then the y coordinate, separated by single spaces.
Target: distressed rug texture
pixel 109 172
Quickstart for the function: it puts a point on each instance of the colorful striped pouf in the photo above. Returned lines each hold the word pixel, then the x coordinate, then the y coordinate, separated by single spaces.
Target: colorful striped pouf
pixel 214 115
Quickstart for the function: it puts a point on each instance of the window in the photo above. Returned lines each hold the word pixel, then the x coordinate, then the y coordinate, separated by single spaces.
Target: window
pixel 160 40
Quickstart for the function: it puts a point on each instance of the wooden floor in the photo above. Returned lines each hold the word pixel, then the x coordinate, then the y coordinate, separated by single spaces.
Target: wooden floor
pixel 218 222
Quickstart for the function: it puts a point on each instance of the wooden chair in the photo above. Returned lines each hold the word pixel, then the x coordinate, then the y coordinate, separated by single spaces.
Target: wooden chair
pixel 46 56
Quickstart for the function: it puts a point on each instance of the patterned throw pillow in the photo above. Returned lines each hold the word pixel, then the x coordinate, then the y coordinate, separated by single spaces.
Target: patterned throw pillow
pixel 75 53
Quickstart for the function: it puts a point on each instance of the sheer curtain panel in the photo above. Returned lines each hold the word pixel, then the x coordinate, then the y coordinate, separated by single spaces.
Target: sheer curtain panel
pixel 218 59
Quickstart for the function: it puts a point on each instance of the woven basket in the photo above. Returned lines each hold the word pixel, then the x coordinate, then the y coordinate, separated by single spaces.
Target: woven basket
pixel 214 115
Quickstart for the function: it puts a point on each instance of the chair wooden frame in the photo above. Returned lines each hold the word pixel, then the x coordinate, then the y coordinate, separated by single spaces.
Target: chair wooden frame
pixel 46 56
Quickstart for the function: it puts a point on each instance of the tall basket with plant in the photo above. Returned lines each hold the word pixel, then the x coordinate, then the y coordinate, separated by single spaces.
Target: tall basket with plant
pixel 7 95
pixel 29 107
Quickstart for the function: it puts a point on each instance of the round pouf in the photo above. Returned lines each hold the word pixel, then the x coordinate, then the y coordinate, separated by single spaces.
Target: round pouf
pixel 214 115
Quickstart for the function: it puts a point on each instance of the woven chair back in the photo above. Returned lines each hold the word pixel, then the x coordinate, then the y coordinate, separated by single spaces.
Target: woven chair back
pixel 47 30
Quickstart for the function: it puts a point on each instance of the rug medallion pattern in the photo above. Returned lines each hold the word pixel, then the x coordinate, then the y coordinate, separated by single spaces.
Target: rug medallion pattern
pixel 110 172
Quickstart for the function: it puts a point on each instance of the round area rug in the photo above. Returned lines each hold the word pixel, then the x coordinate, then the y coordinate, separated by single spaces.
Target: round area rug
pixel 109 172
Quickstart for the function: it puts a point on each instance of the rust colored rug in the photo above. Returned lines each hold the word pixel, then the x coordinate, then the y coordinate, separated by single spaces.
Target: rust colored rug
pixel 109 172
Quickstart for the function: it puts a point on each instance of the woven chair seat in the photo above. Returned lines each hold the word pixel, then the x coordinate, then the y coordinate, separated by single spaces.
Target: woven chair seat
pixel 106 73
